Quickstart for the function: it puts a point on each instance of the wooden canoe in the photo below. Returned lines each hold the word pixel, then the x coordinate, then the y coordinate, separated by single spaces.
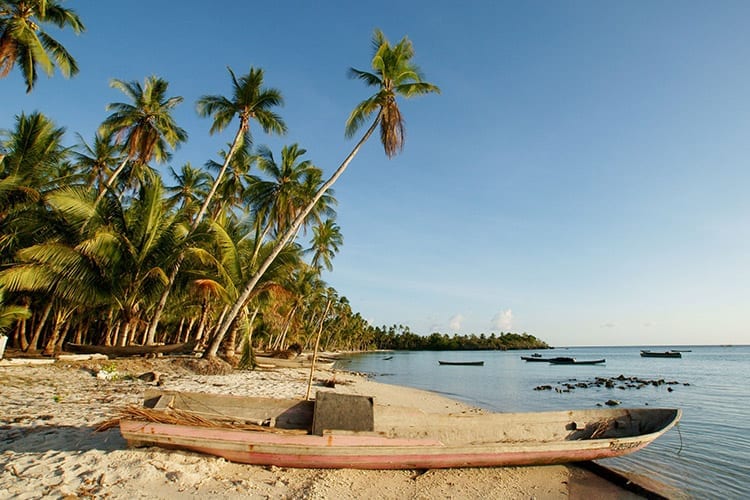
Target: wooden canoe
pixel 461 363
pixel 400 438
pixel 130 350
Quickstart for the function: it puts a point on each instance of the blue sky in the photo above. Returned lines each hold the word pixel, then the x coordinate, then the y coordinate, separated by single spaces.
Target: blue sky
pixel 583 176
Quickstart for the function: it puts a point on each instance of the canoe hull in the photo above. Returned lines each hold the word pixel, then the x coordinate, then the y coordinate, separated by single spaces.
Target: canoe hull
pixel 461 363
pixel 404 438
pixel 350 452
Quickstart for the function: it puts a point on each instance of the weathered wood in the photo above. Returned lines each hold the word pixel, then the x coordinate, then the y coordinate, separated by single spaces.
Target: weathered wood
pixel 342 412
pixel 401 438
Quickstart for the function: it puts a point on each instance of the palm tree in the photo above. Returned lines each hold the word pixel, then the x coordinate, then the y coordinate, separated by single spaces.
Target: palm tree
pixel 24 42
pixel 394 74
pixel 192 186
pixel 250 100
pixel 278 200
pixel 33 148
pixel 97 159
pixel 326 241
pixel 145 128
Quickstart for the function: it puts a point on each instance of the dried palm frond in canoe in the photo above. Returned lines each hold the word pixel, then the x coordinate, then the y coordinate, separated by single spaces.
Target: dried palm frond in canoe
pixel 345 431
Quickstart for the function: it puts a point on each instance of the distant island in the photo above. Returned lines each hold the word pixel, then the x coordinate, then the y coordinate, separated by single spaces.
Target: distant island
pixel 406 340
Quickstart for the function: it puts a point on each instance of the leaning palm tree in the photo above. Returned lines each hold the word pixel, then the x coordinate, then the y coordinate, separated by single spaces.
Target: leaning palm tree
pixel 24 42
pixel 394 74
pixel 250 100
pixel 145 128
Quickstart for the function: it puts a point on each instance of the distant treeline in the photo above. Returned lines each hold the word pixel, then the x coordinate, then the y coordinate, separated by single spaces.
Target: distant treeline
pixel 406 340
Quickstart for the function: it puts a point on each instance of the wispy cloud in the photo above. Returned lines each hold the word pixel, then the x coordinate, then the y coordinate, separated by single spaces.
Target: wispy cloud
pixel 455 322
pixel 608 325
pixel 502 320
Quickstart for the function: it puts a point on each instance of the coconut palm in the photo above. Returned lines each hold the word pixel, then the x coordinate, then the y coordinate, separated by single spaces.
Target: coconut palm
pixel 98 159
pixel 250 100
pixel 32 149
pixel 326 241
pixel 394 74
pixel 25 43
pixel 145 127
pixel 192 187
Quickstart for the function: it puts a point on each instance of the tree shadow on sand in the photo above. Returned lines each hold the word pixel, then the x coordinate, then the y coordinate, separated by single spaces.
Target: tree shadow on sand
pixel 44 438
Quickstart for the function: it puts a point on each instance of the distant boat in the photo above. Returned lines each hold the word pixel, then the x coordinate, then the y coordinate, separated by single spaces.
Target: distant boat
pixel 536 359
pixel 462 363
pixel 680 350
pixel 387 358
pixel 559 360
pixel 298 433
pixel 661 354
pixel 573 361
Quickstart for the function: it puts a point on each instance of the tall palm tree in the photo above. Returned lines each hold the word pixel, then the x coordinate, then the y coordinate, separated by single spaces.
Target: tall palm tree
pixel 394 74
pixel 250 100
pixel 145 127
pixel 24 42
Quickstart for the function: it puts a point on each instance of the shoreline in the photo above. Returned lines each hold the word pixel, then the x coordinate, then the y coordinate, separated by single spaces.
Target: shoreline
pixel 49 447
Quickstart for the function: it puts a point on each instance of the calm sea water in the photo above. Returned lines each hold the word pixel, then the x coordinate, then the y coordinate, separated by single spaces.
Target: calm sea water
pixel 706 456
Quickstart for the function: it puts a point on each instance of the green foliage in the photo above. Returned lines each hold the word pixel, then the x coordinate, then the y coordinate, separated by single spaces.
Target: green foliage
pixel 400 338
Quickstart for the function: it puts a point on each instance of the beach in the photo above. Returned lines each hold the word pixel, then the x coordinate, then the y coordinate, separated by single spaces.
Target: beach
pixel 49 447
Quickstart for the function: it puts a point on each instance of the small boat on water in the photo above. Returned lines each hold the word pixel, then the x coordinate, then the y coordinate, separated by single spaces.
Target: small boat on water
pixel 574 361
pixel 560 360
pixel 660 354
pixel 536 358
pixel 461 363
pixel 348 431
pixel 387 358
pixel 114 351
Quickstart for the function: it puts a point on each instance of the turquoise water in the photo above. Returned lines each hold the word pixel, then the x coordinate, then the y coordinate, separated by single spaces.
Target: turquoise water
pixel 706 456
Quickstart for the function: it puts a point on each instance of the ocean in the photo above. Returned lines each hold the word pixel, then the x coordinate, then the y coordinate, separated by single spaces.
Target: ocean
pixel 706 456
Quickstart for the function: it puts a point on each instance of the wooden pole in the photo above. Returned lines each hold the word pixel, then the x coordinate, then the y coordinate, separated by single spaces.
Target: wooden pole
pixel 315 351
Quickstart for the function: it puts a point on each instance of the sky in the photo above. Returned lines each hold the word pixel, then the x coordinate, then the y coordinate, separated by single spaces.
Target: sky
pixel 582 177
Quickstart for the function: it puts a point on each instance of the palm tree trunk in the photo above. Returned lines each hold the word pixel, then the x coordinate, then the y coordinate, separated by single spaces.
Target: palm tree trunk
pixel 38 331
pixel 22 341
pixel 198 217
pixel 279 344
pixel 250 286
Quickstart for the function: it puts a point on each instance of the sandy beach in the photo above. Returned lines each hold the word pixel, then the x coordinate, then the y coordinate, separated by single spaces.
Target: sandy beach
pixel 49 447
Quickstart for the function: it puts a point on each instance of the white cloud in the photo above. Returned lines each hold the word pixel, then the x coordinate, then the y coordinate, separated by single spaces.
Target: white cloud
pixel 455 322
pixel 502 320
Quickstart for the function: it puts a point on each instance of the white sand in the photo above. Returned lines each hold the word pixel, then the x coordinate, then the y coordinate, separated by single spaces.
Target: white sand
pixel 48 447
